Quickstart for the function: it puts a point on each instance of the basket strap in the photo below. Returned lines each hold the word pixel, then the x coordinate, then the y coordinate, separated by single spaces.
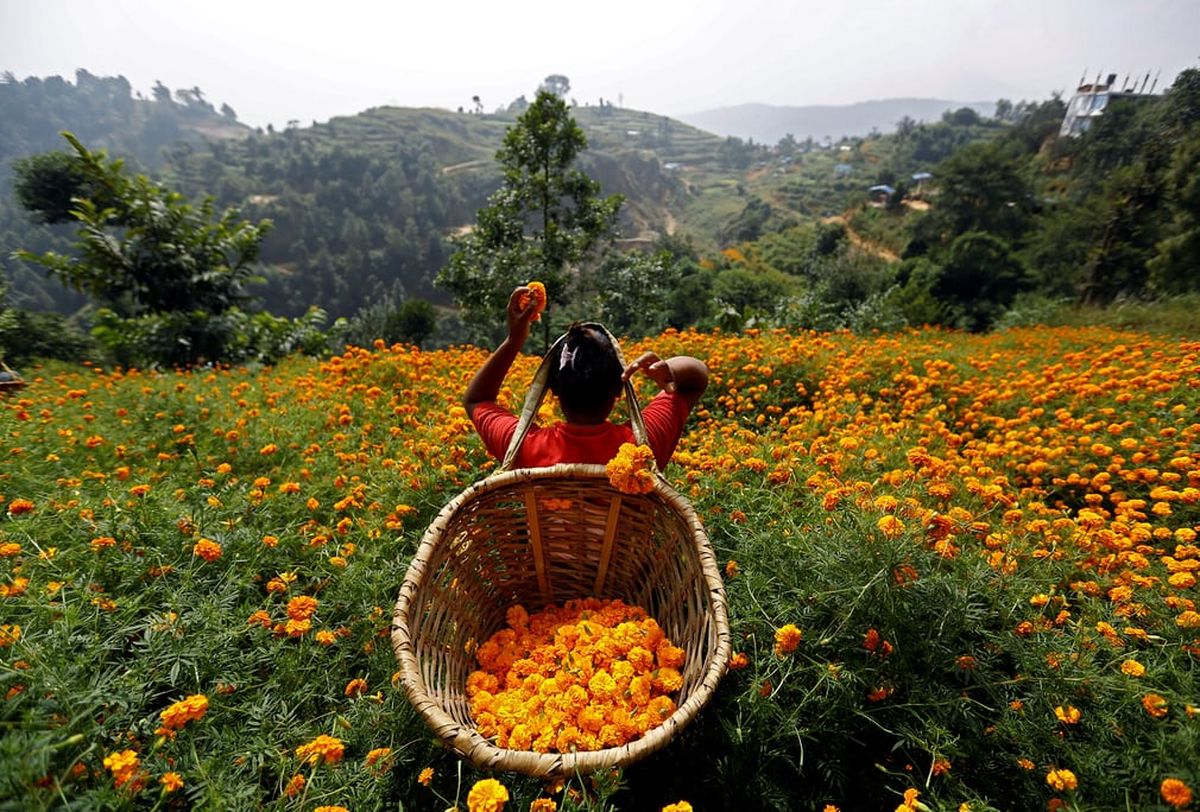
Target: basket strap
pixel 537 393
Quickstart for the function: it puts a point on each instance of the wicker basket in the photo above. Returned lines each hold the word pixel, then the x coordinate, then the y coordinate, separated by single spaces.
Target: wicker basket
pixel 538 536
pixel 13 381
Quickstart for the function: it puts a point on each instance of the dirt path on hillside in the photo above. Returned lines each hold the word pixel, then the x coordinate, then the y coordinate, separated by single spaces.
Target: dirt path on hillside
pixel 860 243
pixel 450 170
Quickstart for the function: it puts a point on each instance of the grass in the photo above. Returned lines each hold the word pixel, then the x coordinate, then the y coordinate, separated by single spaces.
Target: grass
pixel 976 534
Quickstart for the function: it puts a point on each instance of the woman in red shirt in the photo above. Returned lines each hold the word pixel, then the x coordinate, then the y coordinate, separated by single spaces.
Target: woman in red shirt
pixel 587 379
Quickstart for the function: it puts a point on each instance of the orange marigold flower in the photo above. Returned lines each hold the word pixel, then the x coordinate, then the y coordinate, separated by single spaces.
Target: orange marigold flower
pixel 269 448
pixel 1175 792
pixel 322 749
pixel 732 570
pixel 488 795
pixel 890 526
pixel 123 766
pixel 331 808
pixel 1025 764
pixel 10 633
pixel 171 782
pixel 18 506
pixel 378 756
pixel 302 607
pixel 425 777
pixel 632 469
pixel 543 805
pixel 207 549
pixel 787 638
pixel 101 543
pixel 295 786
pixel 1061 779
pixel 941 766
pixel 738 661
pixel 9 549
pixel 180 713
pixel 537 292
pixel 1155 705
pixel 1068 716
pixel 1133 668
pixel 326 637
pixel 356 687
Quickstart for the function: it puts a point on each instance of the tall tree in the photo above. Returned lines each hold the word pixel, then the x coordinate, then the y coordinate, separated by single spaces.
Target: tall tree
pixel 545 219
pixel 143 251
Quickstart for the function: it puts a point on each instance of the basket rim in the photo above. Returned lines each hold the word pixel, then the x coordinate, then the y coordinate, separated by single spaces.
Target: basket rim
pixel 468 741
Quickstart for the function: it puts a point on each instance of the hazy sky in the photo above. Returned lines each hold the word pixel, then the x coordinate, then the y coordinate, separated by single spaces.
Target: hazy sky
pixel 274 61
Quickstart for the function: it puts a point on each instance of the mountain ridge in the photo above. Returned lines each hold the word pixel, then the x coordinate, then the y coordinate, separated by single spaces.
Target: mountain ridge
pixel 768 123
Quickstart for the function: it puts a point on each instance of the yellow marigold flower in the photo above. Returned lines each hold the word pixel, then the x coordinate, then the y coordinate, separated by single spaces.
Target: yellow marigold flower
pixel 1133 668
pixel 890 526
pixel 1025 764
pixel 1061 780
pixel 678 806
pixel 1069 715
pixel 326 637
pixel 322 749
pixel 787 638
pixel 171 782
pixel 1175 792
pixel 295 786
pixel 1188 620
pixel 331 808
pixel 543 805
pixel 9 549
pixel 1155 705
pixel 10 633
pixel 488 795
pixel 632 469
pixel 207 549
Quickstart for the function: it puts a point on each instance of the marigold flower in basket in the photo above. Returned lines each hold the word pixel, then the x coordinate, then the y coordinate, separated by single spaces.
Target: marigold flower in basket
pixel 632 470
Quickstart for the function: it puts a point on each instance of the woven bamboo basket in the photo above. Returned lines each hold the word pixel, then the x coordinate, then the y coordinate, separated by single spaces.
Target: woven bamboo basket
pixel 12 381
pixel 538 536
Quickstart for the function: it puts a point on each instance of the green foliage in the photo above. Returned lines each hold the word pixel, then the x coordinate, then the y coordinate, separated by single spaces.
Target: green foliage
pixel 631 293
pixel 28 335
pixel 546 219
pixel 169 269
pixel 394 319
pixel 978 278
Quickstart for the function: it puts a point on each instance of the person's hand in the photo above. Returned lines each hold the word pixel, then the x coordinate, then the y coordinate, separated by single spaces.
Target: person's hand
pixel 522 307
pixel 655 368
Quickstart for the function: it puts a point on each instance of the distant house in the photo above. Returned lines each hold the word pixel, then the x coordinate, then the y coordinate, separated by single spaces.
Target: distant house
pixel 842 170
pixel 880 193
pixel 1089 101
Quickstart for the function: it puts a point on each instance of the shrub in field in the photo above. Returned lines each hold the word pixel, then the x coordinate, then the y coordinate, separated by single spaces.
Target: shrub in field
pixel 961 570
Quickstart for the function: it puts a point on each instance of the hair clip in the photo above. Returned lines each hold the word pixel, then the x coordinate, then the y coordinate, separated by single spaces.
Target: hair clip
pixel 567 356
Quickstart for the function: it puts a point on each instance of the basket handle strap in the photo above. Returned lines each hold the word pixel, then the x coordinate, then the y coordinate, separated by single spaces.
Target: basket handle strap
pixel 537 393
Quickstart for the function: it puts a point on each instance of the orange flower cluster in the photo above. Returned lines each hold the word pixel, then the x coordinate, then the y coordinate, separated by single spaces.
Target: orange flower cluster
pixel 1175 792
pixel 787 639
pixel 588 675
pixel 180 713
pixel 632 470
pixel 323 749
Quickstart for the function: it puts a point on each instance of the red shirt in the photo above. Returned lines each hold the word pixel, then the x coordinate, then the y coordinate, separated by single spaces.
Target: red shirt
pixel 664 417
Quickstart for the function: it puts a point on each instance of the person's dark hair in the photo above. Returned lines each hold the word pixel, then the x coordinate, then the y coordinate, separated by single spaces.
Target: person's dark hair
pixel 586 375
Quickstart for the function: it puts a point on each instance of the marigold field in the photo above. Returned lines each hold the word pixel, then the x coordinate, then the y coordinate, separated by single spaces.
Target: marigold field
pixel 962 573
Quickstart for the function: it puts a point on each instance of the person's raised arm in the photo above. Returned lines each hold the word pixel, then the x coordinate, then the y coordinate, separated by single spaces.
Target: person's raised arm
pixel 681 373
pixel 485 386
